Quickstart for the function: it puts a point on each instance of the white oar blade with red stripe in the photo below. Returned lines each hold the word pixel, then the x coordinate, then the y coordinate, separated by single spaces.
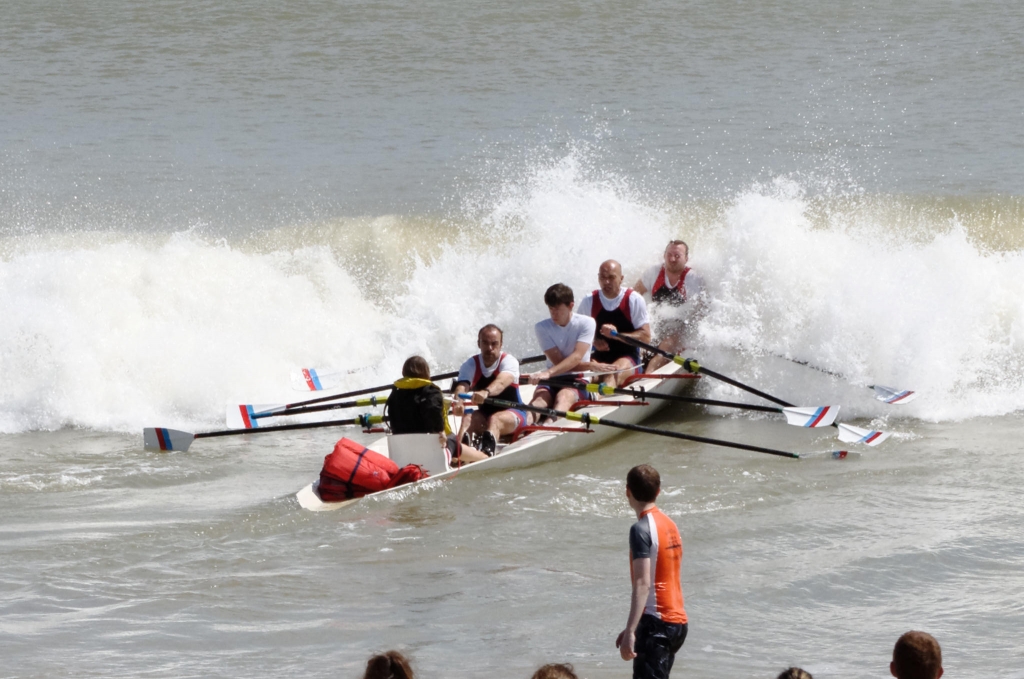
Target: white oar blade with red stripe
pixel 244 416
pixel 311 379
pixel 893 396
pixel 158 438
pixel 871 437
pixel 821 416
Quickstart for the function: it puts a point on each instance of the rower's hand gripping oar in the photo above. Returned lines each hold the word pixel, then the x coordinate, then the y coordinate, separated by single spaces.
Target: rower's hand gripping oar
pixel 847 433
pixel 589 419
pixel 160 438
pixel 813 416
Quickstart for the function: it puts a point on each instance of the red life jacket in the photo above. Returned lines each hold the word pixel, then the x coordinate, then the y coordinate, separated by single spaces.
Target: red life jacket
pixel 353 470
pixel 674 295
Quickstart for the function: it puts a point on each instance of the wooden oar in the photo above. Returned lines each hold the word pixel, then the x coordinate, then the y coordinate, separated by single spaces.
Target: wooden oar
pixel 847 433
pixel 160 438
pixel 589 419
pixel 250 411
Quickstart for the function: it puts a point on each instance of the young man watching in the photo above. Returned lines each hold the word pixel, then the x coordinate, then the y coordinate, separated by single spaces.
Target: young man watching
pixel 565 338
pixel 657 624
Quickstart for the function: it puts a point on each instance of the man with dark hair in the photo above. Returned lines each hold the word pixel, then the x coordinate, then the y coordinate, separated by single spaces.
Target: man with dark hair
pixel 917 655
pixel 657 623
pixel 490 374
pixel 620 310
pixel 565 338
pixel 677 298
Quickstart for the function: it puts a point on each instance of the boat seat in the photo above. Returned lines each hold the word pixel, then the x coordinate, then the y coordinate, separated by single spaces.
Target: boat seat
pixel 422 449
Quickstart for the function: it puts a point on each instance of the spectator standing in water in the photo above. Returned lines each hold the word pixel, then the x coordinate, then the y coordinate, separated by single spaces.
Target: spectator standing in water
pixel 388 665
pixel 657 623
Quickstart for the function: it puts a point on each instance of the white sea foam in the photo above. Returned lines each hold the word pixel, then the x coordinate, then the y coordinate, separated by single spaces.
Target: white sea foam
pixel 126 333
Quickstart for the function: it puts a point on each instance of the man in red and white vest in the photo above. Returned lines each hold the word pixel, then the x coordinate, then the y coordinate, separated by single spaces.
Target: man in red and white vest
pixel 677 295
pixel 490 374
pixel 615 309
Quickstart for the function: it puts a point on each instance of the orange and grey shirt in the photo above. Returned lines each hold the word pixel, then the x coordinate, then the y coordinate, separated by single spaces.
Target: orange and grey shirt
pixel 656 537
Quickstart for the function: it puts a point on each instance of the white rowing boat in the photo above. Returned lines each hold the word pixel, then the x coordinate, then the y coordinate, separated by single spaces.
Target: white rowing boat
pixel 572 437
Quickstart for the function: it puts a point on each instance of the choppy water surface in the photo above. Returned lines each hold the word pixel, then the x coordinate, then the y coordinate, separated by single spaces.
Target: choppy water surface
pixel 196 201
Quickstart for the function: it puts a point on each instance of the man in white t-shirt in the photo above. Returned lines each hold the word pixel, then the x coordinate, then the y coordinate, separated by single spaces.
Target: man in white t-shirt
pixel 678 299
pixel 490 374
pixel 621 310
pixel 565 338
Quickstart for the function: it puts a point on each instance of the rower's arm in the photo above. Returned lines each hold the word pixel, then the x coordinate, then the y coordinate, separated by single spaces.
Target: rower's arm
pixel 500 383
pixel 639 286
pixel 643 333
pixel 570 362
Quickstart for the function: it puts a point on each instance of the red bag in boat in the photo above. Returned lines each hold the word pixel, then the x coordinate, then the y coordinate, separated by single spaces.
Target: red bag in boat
pixel 353 470
pixel 408 474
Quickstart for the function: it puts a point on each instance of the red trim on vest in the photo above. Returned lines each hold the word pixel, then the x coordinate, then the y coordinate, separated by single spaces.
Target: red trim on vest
pixel 596 306
pixel 659 282
pixel 478 371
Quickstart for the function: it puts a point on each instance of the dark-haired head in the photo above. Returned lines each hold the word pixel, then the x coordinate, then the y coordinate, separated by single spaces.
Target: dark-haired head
pixel 388 665
pixel 416 366
pixel 917 655
pixel 643 482
pixel 558 294
pixel 795 673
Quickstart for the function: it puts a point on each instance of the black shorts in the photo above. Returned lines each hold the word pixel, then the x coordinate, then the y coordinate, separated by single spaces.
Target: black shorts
pixel 656 645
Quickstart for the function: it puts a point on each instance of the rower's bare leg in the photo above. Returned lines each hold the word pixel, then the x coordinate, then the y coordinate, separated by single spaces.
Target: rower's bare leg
pixel 541 399
pixel 565 399
pixel 672 344
pixel 502 423
pixel 615 379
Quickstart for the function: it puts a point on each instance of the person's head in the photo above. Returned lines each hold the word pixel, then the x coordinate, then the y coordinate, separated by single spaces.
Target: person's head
pixel 388 665
pixel 677 253
pixel 416 366
pixel 916 656
pixel 555 671
pixel 609 277
pixel 560 302
pixel 489 341
pixel 795 673
pixel 643 483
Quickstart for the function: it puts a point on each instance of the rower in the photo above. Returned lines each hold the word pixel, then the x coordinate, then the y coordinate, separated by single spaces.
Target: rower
pixel 621 310
pixel 565 338
pixel 677 298
pixel 490 374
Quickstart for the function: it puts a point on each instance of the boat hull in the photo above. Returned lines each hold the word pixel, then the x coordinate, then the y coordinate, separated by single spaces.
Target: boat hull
pixel 541 446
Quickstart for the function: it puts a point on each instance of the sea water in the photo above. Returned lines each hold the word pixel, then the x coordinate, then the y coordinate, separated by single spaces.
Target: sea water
pixel 196 201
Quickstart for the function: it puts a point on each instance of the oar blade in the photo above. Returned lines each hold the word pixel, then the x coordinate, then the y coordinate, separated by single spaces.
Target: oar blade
pixel 247 416
pixel 820 416
pixel 871 437
pixel 159 438
pixel 893 396
pixel 311 379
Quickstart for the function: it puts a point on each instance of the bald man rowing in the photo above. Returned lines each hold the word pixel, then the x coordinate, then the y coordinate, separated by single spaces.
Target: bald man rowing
pixel 618 309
